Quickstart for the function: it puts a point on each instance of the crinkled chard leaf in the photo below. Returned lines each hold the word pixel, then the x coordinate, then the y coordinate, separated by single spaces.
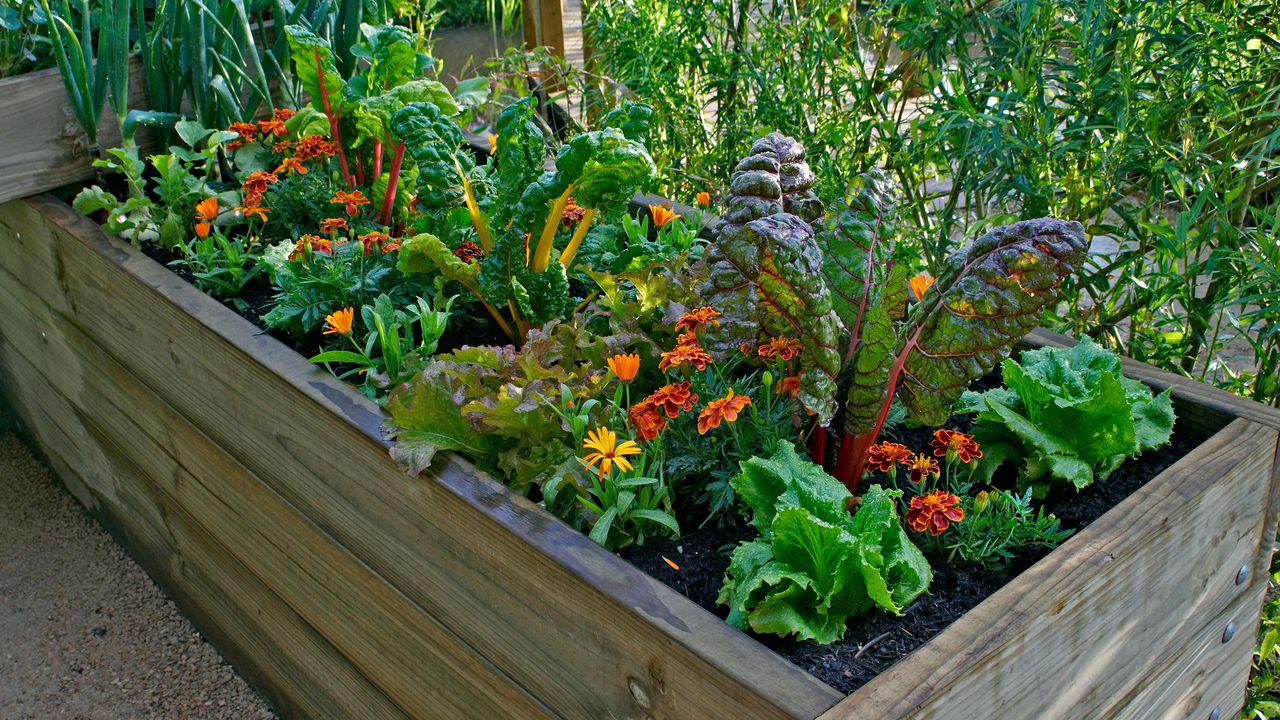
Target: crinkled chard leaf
pixel 315 68
pixel 522 149
pixel 433 141
pixel 987 296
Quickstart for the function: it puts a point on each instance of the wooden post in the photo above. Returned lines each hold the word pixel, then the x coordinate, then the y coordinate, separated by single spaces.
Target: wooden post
pixel 544 25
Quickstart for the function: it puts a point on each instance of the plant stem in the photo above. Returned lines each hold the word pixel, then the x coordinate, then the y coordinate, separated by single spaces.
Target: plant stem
pixel 333 122
pixel 389 200
pixel 571 249
pixel 542 253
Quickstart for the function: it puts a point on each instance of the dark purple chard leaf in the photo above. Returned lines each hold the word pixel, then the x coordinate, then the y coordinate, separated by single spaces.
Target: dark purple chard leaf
pixel 988 296
pixel 766 276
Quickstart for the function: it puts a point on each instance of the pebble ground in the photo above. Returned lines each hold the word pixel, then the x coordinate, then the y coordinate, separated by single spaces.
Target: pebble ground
pixel 84 633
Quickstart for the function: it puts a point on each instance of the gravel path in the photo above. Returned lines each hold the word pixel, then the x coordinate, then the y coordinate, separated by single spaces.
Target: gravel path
pixel 84 633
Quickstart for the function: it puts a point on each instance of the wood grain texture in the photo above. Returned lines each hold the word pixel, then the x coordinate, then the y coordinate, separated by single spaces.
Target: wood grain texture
pixel 42 145
pixel 296 669
pixel 578 628
pixel 1090 623
pixel 393 643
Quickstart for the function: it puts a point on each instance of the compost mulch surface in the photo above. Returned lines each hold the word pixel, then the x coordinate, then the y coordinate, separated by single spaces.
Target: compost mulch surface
pixel 876 641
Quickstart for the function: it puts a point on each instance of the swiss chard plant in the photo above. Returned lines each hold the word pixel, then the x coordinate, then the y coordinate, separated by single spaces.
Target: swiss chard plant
pixel 781 266
pixel 815 566
pixel 526 223
pixel 1067 415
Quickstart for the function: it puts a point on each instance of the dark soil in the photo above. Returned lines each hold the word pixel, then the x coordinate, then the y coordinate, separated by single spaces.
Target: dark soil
pixel 876 641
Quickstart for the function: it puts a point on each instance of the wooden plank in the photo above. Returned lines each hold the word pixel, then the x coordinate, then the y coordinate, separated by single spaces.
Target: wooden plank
pixel 42 145
pixel 502 574
pixel 284 658
pixel 1200 676
pixel 426 670
pixel 1085 624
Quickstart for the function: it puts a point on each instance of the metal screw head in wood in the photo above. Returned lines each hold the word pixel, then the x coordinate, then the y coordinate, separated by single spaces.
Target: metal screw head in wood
pixel 1229 633
pixel 1242 575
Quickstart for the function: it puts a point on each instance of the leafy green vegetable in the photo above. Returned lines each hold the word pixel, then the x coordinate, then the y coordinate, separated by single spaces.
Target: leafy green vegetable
pixel 434 142
pixel 775 270
pixel 1067 415
pixel 814 566
pixel 315 68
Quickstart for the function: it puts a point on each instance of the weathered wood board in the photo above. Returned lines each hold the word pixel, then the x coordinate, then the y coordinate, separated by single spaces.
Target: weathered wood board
pixel 258 491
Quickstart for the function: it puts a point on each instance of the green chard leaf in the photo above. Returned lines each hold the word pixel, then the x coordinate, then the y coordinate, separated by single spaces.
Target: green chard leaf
pixel 988 295
pixel 315 68
pixel 522 148
pixel 633 119
pixel 433 141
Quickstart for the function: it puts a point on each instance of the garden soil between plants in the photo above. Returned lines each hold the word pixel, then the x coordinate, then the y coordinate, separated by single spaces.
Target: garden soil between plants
pixel 873 642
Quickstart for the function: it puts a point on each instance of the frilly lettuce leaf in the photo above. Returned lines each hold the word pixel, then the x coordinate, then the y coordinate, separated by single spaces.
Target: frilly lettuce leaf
pixel 814 566
pixel 1067 415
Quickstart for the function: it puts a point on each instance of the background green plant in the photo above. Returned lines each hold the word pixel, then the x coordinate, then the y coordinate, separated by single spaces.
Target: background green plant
pixel 1152 122
pixel 24 38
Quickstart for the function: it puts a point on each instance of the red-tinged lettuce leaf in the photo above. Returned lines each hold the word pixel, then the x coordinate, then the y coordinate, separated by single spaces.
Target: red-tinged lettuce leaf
pixel 425 420
pixel 766 277
pixel 986 297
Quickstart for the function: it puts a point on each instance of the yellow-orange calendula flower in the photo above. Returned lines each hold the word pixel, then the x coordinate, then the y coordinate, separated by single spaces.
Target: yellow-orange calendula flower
pixel 724 409
pixel 703 199
pixel 339 322
pixel 934 512
pixel 608 451
pixel 493 143
pixel 329 226
pixel 694 320
pixel 920 284
pixel 661 215
pixel 948 442
pixel 206 213
pixel 625 366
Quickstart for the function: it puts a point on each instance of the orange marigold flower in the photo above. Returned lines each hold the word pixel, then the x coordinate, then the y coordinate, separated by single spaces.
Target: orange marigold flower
pixel 694 320
pixel 247 131
pixel 257 182
pixel 625 367
pixel 946 442
pixel 273 127
pixel 887 455
pixel 781 347
pixel 608 451
pixel 372 241
pixel 252 211
pixel 721 409
pixel 351 201
pixel 310 242
pixel 703 199
pixel 390 247
pixel 291 165
pixel 647 419
pixel 329 226
pixel 685 353
pixel 745 348
pixel 920 284
pixel 661 215
pixel 921 466
pixel 934 512
pixel 672 399
pixel 788 386
pixel 314 146
pixel 468 252
pixel 282 114
pixel 339 322
pixel 572 214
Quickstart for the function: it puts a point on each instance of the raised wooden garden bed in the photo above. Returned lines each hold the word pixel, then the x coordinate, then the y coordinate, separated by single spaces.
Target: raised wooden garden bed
pixel 258 491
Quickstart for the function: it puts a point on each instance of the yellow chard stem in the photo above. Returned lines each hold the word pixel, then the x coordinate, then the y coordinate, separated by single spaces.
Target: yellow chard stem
pixel 542 254
pixel 473 209
pixel 571 249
